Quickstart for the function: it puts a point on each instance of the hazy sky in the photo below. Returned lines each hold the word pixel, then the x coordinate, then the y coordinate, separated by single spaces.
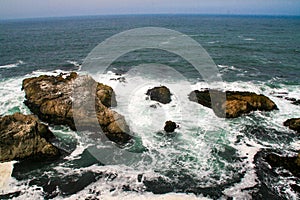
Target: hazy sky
pixel 50 8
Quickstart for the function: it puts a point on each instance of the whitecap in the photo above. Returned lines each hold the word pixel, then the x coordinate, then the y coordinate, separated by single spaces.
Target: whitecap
pixel 249 39
pixel 17 64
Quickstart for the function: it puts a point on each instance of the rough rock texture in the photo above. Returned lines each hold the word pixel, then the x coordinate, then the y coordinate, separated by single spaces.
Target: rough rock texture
pixel 23 136
pixel 237 103
pixel 161 94
pixel 293 124
pixel 77 101
pixel 170 126
pixel 290 163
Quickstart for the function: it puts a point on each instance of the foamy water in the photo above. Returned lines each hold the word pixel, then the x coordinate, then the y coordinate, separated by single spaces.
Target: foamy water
pixel 192 149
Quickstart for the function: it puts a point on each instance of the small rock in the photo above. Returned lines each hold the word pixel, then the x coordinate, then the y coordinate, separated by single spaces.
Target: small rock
pixel 155 105
pixel 170 126
pixel 161 94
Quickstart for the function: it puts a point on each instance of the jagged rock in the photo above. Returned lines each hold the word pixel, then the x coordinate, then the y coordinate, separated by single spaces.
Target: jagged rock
pixel 170 126
pixel 23 136
pixel 290 163
pixel 161 94
pixel 293 124
pixel 52 99
pixel 236 103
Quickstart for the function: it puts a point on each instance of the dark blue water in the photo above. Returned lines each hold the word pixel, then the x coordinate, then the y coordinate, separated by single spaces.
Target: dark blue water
pixel 265 47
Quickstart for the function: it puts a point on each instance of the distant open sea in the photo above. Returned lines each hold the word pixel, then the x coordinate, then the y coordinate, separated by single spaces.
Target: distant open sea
pixel 208 157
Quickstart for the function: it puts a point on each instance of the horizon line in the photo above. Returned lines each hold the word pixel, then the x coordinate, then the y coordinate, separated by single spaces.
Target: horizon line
pixel 145 14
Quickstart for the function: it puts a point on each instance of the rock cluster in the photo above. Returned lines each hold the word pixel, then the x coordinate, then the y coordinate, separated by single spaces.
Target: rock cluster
pixel 24 136
pixel 52 99
pixel 236 103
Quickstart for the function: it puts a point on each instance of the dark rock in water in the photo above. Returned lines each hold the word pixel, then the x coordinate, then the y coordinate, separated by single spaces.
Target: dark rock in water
pixel 295 187
pixel 51 99
pixel 120 79
pixel 293 124
pixel 170 126
pixel 236 104
pixel 269 177
pixel 161 94
pixel 293 100
pixel 23 136
pixel 290 163
pixel 155 105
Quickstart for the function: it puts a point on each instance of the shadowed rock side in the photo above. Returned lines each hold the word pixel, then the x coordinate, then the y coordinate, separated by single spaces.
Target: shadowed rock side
pixel 161 94
pixel 51 98
pixel 290 163
pixel 237 103
pixel 293 124
pixel 23 136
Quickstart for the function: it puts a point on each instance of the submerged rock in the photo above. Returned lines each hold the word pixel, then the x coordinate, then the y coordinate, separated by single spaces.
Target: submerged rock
pixel 23 136
pixel 170 126
pixel 236 104
pixel 293 124
pixel 52 99
pixel 161 94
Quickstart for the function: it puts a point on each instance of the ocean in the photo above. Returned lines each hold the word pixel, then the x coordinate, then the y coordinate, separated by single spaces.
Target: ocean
pixel 207 157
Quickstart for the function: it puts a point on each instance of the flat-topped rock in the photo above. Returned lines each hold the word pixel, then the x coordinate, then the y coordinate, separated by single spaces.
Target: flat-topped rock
pixel 24 136
pixel 52 99
pixel 236 103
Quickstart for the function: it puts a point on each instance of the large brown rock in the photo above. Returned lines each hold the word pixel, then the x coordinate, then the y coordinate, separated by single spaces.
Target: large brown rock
pixel 161 94
pixel 293 124
pixel 236 103
pixel 52 98
pixel 23 136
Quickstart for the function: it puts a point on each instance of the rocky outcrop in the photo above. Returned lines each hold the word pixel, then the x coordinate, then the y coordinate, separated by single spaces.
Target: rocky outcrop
pixel 161 94
pixel 290 163
pixel 23 136
pixel 293 124
pixel 52 99
pixel 236 103
pixel 170 126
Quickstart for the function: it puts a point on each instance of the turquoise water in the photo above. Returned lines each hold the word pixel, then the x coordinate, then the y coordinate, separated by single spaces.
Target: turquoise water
pixel 207 156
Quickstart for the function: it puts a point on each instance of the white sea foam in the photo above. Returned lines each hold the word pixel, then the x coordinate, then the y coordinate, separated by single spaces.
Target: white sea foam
pixel 143 196
pixel 249 39
pixel 6 169
pixel 248 151
pixel 75 63
pixel 213 42
pixel 17 64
